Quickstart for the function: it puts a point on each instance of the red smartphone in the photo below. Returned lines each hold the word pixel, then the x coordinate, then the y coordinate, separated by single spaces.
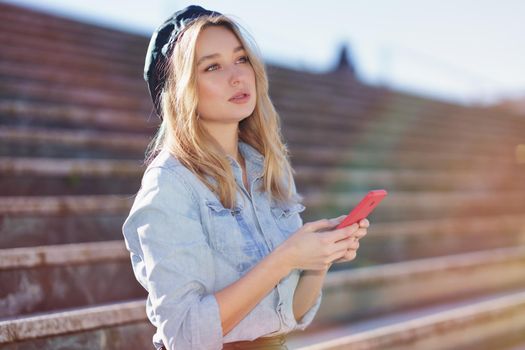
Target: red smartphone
pixel 364 208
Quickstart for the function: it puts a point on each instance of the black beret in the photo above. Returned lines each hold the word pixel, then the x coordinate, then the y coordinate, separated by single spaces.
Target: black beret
pixel 161 45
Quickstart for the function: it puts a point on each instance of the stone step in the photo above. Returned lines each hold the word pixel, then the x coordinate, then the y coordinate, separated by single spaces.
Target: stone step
pixel 36 279
pixel 56 219
pixel 492 323
pixel 105 168
pixel 299 136
pixel 126 327
pixel 34 54
pixel 64 205
pixel 411 287
pixel 51 176
pixel 374 290
pixel 398 206
pixel 48 176
pixel 47 278
pixel 68 60
pixel 45 92
pixel 12 113
pixel 60 142
pixel 68 143
pixel 359 157
pixel 420 239
pixel 350 130
pixel 371 123
pixel 41 229
pixel 119 325
pixel 410 239
pixel 18 70
pixel 397 142
pixel 403 205
pixel 337 179
pixel 31 113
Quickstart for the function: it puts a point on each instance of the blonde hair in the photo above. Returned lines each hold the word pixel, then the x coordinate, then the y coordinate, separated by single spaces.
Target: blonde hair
pixel 182 134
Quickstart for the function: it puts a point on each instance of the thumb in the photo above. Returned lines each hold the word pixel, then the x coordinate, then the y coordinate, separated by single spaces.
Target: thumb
pixel 324 224
pixel 337 220
pixel 341 218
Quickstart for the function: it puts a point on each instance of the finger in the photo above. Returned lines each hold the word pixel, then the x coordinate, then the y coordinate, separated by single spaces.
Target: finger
pixel 342 233
pixel 337 255
pixel 360 233
pixel 345 244
pixel 320 225
pixel 348 256
pixel 364 223
pixel 354 245
pixel 338 219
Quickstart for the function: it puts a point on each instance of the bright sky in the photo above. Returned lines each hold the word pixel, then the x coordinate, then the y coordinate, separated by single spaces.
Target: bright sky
pixel 467 51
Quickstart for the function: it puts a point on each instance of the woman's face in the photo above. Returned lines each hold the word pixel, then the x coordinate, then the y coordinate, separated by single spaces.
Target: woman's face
pixel 220 77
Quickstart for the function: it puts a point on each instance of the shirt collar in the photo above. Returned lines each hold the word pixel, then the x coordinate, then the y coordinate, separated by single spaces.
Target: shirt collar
pixel 249 153
pixel 251 156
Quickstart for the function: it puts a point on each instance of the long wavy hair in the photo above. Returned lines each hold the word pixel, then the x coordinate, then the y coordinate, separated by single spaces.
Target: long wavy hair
pixel 182 134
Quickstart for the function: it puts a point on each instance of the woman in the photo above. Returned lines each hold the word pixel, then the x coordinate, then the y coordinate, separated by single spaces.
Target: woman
pixel 215 233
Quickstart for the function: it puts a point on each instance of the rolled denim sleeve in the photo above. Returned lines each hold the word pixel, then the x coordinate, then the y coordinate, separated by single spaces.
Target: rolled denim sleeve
pixel 174 261
pixel 308 317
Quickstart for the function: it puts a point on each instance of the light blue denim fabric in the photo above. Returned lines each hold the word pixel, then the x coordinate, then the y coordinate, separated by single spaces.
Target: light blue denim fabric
pixel 185 246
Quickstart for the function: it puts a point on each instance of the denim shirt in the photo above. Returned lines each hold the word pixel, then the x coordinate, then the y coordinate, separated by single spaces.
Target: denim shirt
pixel 185 246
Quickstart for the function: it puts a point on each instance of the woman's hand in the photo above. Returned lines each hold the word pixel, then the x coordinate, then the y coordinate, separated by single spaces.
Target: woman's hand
pixel 351 253
pixel 317 244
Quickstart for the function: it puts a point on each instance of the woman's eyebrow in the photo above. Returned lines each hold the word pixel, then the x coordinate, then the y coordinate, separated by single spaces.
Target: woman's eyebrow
pixel 214 55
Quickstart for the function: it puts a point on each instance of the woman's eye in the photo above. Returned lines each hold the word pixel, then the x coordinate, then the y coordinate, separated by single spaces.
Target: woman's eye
pixel 209 70
pixel 245 58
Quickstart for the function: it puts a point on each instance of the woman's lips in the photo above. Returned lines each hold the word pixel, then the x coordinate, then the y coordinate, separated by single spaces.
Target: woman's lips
pixel 242 99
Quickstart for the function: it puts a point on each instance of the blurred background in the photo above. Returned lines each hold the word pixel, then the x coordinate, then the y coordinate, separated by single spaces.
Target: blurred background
pixel 425 100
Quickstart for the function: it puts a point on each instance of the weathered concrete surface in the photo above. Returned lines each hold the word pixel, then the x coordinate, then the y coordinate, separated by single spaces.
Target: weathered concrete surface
pixel 389 242
pixel 121 337
pixel 420 205
pixel 375 290
pixel 115 326
pixel 64 205
pixel 45 142
pixel 58 277
pixel 492 325
pixel 35 230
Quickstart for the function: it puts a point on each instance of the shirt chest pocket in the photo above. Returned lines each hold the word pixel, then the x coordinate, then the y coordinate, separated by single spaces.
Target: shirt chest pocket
pixel 231 237
pixel 288 217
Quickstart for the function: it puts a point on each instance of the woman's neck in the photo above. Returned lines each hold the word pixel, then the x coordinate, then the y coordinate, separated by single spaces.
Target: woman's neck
pixel 227 135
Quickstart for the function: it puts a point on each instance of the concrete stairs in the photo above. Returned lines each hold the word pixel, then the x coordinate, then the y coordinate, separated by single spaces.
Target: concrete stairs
pixel 442 266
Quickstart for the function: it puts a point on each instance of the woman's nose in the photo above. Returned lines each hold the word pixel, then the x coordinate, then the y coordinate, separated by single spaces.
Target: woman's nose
pixel 236 75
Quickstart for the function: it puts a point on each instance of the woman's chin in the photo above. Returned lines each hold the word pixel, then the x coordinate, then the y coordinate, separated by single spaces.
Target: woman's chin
pixel 243 113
